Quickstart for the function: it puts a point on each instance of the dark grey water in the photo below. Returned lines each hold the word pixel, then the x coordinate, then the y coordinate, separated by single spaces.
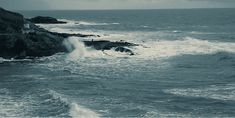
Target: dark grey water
pixel 188 69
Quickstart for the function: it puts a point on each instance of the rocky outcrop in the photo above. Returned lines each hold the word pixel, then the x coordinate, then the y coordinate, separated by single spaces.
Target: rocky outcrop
pixel 45 20
pixel 66 35
pixel 30 45
pixel 123 49
pixel 108 45
pixel 19 38
pixel 10 22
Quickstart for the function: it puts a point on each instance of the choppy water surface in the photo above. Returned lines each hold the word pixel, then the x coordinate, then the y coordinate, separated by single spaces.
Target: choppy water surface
pixel 184 68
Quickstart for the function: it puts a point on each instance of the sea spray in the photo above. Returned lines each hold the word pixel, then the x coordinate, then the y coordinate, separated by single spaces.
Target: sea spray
pixel 77 111
pixel 76 48
pixel 1 60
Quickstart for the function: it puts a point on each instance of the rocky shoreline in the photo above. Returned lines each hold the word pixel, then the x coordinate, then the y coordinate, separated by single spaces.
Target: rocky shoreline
pixel 20 38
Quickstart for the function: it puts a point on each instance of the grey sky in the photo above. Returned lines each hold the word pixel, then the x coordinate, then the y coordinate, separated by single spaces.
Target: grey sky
pixel 113 4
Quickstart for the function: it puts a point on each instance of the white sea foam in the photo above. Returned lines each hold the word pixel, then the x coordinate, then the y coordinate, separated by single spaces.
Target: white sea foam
pixel 10 106
pixel 159 114
pixel 90 23
pixel 2 59
pixel 153 49
pixel 5 60
pixel 221 92
pixel 14 60
pixel 190 46
pixel 76 111
pixel 78 50
pixel 86 22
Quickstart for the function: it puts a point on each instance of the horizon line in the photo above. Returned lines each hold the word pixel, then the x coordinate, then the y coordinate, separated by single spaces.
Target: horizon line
pixel 117 9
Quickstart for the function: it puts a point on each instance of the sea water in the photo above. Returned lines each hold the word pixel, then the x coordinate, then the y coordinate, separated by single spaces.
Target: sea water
pixel 184 67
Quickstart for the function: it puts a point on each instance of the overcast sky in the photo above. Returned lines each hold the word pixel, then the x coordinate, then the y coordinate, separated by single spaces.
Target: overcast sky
pixel 112 4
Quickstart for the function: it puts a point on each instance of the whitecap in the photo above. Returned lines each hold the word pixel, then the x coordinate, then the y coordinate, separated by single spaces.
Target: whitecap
pixel 187 46
pixel 10 106
pixel 14 60
pixel 220 92
pixel 90 23
pixel 76 111
pixel 159 114
pixel 79 51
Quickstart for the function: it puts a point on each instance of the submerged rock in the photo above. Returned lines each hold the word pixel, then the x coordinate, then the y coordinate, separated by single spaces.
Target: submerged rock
pixel 45 20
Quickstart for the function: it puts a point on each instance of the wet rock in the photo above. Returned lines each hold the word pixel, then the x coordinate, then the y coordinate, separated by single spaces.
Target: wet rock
pixel 10 22
pixel 108 45
pixel 20 38
pixel 19 41
pixel 45 20
pixel 66 35
pixel 123 49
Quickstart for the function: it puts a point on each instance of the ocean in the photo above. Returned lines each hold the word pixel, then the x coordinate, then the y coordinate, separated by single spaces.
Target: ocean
pixel 184 67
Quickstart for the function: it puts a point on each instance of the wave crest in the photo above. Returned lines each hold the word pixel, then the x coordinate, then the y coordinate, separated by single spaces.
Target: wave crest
pixel 76 111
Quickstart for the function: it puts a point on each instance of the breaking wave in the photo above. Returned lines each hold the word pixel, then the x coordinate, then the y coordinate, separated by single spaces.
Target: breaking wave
pixel 53 103
pixel 76 111
pixel 78 50
pixel 153 49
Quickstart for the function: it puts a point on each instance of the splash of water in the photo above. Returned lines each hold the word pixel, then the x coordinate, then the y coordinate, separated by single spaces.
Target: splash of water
pixel 77 111
pixel 79 51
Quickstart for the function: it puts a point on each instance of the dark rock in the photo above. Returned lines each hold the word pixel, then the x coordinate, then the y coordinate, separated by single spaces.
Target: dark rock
pixel 30 45
pixel 123 49
pixel 45 20
pixel 18 41
pixel 19 38
pixel 10 22
pixel 44 44
pixel 108 45
pixel 65 35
